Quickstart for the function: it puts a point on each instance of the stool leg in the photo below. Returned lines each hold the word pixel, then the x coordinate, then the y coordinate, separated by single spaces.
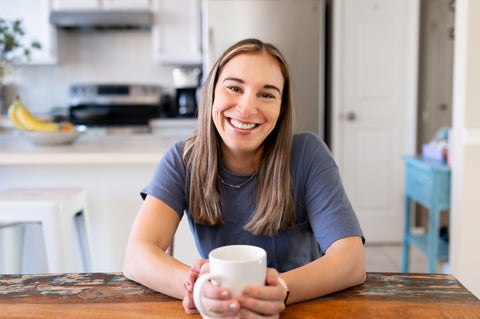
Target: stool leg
pixel 12 244
pixel 82 223
pixel 84 240
pixel 433 239
pixel 406 236
pixel 34 254
pixel 58 235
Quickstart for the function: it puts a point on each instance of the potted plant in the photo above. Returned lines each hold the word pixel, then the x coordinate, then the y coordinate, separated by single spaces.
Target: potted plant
pixel 13 48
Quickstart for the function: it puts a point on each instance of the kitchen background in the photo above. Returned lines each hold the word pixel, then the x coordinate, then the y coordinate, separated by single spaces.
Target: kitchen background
pixel 91 57
pixel 146 56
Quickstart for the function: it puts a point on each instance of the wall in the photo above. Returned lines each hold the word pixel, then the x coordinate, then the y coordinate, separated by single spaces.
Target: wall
pixel 435 69
pixel 119 57
pixel 465 214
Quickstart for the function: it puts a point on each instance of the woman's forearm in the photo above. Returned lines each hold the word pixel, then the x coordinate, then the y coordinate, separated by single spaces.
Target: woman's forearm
pixel 150 266
pixel 341 267
pixel 145 259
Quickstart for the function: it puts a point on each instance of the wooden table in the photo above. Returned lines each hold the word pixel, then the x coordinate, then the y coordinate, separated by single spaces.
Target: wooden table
pixel 111 295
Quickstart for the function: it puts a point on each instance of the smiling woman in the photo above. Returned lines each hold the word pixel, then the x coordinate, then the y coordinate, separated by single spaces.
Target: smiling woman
pixel 243 178
pixel 246 108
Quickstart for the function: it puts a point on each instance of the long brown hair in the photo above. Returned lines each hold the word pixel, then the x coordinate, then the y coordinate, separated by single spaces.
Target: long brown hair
pixel 202 155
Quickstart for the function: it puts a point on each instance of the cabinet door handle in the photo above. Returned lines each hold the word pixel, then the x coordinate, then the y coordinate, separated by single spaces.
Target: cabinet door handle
pixel 350 116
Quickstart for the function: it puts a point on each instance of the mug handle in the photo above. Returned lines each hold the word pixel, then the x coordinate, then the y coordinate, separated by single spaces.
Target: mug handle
pixel 197 296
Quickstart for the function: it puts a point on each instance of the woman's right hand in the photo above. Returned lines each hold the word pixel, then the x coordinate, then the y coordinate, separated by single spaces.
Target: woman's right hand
pixel 189 283
pixel 215 298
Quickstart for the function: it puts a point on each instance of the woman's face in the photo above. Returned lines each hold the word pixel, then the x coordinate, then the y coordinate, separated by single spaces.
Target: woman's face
pixel 248 98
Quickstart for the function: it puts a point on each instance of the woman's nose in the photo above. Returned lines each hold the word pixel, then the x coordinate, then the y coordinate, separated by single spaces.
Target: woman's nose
pixel 247 105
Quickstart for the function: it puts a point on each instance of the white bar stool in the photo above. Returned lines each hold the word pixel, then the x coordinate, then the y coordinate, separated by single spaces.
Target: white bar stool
pixel 62 213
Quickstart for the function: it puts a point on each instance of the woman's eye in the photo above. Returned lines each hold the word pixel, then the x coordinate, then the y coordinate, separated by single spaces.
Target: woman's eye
pixel 267 95
pixel 234 88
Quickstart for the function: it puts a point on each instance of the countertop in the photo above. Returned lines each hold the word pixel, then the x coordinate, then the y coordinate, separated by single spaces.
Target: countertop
pixel 88 149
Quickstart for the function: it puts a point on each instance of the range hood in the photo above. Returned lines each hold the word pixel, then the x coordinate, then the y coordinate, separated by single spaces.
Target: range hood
pixel 107 19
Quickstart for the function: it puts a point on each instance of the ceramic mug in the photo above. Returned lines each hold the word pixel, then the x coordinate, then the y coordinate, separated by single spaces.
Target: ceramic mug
pixel 232 267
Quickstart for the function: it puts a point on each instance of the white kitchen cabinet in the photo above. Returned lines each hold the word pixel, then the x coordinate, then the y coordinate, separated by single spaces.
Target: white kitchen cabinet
pixel 101 4
pixel 76 5
pixel 177 32
pixel 127 4
pixel 34 14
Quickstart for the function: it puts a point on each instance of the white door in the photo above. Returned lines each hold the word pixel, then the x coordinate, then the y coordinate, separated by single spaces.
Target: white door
pixel 374 107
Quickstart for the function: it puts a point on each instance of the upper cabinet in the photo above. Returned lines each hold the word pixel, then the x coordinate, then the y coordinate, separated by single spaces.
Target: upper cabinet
pixel 127 4
pixel 101 4
pixel 176 32
pixel 36 26
pixel 176 29
pixel 76 5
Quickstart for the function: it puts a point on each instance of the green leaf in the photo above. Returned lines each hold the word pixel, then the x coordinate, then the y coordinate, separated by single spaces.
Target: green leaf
pixel 12 45
pixel 36 45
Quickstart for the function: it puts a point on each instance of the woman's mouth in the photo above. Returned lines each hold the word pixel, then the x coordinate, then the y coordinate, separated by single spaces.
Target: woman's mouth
pixel 242 125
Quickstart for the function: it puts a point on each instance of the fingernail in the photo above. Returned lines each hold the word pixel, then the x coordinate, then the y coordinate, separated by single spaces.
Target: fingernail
pixel 240 300
pixel 225 294
pixel 234 306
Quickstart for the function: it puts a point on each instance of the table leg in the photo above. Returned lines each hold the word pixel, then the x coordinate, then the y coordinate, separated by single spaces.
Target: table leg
pixel 433 239
pixel 406 236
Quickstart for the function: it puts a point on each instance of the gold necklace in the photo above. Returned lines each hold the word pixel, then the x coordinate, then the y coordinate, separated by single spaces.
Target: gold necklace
pixel 236 186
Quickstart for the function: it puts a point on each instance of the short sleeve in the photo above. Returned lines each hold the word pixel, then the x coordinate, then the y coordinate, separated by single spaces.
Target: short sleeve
pixel 329 210
pixel 168 181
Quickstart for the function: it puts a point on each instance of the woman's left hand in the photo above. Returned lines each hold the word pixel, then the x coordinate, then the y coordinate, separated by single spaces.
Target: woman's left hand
pixel 263 302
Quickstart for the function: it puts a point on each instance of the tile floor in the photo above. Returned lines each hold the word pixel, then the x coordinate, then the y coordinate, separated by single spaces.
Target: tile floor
pixel 388 258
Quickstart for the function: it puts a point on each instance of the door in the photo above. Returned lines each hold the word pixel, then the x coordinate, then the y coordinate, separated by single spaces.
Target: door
pixel 374 107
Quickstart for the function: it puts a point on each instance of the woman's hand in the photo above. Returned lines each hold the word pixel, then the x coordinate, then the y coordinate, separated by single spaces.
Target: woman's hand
pixel 253 302
pixel 218 299
pixel 263 302
pixel 189 283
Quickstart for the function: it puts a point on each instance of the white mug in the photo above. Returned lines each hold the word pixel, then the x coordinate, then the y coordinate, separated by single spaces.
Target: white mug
pixel 232 267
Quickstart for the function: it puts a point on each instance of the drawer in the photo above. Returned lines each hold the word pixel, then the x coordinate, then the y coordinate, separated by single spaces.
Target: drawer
pixel 442 194
pixel 419 185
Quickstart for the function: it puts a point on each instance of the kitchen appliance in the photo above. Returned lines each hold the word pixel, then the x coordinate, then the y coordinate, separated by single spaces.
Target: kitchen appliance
pixel 116 105
pixel 102 19
pixel 296 27
pixel 186 82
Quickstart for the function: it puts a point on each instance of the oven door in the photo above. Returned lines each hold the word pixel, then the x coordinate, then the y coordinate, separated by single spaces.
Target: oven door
pixel 113 115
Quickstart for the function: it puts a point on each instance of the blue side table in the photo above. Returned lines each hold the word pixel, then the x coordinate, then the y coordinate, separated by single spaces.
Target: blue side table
pixel 427 183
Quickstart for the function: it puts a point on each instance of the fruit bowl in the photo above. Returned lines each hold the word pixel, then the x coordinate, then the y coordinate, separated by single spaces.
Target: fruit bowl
pixel 54 138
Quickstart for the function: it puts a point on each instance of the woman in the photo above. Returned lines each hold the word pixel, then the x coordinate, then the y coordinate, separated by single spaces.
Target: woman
pixel 244 179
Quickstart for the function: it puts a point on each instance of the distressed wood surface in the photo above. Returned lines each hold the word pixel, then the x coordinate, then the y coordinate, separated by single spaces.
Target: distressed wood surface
pixel 111 295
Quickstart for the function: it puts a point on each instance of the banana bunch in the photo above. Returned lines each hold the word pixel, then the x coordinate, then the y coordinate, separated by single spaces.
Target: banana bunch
pixel 23 119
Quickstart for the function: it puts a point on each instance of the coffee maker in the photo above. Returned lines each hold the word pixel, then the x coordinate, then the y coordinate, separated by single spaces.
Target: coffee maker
pixel 186 82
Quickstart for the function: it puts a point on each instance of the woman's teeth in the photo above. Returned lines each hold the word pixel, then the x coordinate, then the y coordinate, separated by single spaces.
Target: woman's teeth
pixel 244 126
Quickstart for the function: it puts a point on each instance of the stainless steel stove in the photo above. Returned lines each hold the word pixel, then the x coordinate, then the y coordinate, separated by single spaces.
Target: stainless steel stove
pixel 117 105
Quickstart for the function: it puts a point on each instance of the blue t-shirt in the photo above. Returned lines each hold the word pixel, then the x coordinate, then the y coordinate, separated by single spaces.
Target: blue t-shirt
pixel 323 213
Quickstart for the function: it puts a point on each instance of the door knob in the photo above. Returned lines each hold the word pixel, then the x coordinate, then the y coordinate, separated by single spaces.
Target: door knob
pixel 350 116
